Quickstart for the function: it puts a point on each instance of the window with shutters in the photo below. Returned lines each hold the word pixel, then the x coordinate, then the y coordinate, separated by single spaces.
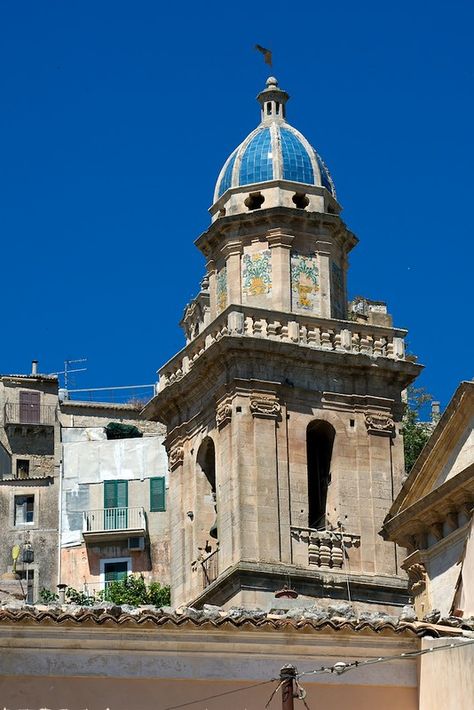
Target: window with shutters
pixel 116 505
pixel 24 509
pixel 157 495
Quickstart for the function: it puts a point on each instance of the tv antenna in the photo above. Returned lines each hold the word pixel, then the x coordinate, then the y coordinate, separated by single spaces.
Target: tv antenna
pixel 69 371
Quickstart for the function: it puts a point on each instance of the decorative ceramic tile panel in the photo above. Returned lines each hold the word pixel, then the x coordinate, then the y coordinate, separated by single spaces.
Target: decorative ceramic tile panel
pixel 338 302
pixel 256 274
pixel 221 290
pixel 304 283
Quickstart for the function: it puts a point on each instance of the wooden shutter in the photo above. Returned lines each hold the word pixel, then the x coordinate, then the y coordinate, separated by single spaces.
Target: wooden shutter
pixel 29 407
pixel 157 494
pixel 115 494
pixel 122 494
pixel 110 494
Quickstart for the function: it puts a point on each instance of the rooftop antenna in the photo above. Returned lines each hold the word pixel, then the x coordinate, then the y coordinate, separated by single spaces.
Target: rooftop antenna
pixel 68 370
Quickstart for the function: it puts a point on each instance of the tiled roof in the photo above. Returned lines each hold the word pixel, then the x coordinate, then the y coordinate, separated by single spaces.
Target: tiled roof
pixel 69 615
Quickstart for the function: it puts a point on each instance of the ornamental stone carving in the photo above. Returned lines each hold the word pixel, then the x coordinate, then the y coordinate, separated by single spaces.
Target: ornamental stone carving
pixel 223 414
pixel 416 579
pixel 266 407
pixel 380 423
pixel 176 457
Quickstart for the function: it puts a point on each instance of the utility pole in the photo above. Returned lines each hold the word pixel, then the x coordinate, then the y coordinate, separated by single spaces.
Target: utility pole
pixel 287 678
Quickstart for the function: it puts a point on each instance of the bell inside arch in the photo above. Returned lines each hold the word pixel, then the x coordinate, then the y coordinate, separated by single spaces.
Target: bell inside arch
pixel 213 530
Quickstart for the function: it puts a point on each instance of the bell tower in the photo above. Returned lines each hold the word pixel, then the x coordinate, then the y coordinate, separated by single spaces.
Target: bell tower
pixel 283 409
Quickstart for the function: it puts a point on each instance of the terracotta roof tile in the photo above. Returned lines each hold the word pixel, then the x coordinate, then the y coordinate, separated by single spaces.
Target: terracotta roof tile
pixel 115 616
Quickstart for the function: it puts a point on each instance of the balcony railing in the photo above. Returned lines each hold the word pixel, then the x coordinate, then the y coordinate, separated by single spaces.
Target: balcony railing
pixel 26 413
pixel 306 331
pixel 113 523
pixel 327 549
pixel 210 569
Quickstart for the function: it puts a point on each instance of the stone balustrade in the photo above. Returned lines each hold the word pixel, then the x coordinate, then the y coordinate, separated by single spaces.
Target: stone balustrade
pixel 327 549
pixel 305 331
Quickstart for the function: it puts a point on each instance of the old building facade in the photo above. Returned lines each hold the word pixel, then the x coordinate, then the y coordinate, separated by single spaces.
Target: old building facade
pixel 431 516
pixel 283 410
pixel 113 499
pixel 29 478
pixel 79 506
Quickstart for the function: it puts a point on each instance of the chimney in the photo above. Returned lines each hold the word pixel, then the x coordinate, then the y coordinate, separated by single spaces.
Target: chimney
pixel 34 367
pixel 435 411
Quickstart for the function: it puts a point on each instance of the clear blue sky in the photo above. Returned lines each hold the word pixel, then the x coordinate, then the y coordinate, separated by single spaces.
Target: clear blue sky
pixel 117 116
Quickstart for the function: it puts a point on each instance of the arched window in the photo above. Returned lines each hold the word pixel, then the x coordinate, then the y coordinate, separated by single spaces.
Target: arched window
pixel 206 460
pixel 319 443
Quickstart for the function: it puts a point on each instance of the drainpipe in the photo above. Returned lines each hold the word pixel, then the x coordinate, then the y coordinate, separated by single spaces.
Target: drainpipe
pixel 60 516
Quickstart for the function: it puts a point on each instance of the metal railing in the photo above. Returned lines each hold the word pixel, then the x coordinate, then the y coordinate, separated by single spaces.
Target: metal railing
pixel 113 519
pixel 210 569
pixel 26 413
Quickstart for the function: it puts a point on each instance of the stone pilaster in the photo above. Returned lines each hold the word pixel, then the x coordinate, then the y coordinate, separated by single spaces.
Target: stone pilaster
pixel 211 272
pixel 280 245
pixel 265 411
pixel 233 254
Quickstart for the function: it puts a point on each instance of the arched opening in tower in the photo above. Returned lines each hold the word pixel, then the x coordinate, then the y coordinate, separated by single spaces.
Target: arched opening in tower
pixel 207 504
pixel 319 445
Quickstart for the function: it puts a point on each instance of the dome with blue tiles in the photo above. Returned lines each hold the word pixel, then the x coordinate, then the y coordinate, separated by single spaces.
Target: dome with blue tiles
pixel 273 151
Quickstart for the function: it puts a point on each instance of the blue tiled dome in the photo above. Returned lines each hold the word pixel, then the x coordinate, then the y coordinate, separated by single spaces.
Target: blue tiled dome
pixel 273 151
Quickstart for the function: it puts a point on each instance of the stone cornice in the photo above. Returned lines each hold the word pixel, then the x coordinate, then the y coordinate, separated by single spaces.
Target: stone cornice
pixel 264 220
pixel 278 238
pixel 222 360
pixel 428 465
pixel 432 507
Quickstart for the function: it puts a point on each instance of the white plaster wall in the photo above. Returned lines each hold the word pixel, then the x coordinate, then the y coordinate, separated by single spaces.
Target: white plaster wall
pixel 94 461
pixel 443 571
pixel 446 677
pixel 104 460
pixel 465 600
pixel 461 456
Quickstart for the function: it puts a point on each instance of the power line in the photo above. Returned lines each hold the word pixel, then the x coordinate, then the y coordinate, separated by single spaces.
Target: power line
pixel 342 667
pixel 338 668
pixel 220 695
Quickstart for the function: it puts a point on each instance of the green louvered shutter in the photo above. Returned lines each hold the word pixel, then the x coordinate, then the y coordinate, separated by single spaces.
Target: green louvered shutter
pixel 115 496
pixel 157 494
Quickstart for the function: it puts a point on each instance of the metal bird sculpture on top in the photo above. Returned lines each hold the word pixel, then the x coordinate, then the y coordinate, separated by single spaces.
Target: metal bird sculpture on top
pixel 267 54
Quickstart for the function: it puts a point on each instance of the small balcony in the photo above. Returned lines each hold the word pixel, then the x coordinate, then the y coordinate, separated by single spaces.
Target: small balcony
pixel 29 414
pixel 326 549
pixel 108 524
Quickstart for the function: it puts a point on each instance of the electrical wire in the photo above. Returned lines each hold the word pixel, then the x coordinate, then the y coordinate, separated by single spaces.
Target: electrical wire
pixel 338 668
pixel 220 695
pixel 274 693
pixel 341 667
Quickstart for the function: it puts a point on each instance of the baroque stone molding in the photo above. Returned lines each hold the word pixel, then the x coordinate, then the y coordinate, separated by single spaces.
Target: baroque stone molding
pixel 223 414
pixel 176 457
pixel 380 423
pixel 416 578
pixel 265 407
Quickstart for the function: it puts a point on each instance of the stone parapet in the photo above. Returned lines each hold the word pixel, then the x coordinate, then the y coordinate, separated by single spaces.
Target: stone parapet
pixel 327 549
pixel 305 331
